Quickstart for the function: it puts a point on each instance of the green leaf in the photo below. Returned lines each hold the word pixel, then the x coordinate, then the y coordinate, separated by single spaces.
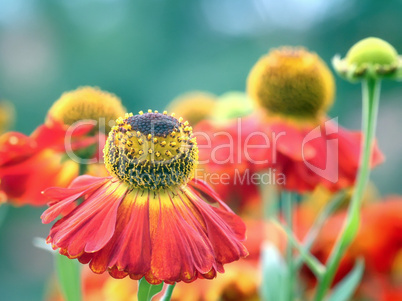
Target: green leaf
pixel 147 291
pixel 344 290
pixel 69 275
pixel 274 274
pixel 316 267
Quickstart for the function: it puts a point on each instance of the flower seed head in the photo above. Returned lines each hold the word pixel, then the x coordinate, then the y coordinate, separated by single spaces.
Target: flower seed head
pixel 87 103
pixel 151 151
pixel 292 82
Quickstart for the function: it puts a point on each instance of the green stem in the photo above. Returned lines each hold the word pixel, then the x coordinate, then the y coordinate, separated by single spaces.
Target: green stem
pixel 287 207
pixel 168 292
pixel 269 196
pixel 315 266
pixel 82 169
pixel 315 229
pixel 371 96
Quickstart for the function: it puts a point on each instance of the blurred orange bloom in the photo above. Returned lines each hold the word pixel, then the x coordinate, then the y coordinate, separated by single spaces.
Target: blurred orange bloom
pixel 379 243
pixel 98 288
pixel 226 166
pixel 241 149
pixel 29 164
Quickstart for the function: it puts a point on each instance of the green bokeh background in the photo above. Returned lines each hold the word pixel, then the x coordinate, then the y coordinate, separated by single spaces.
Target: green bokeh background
pixel 148 52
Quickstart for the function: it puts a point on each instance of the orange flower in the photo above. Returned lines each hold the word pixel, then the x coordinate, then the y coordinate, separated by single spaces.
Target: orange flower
pixel 147 219
pixel 379 242
pixel 98 288
pixel 331 159
pixel 227 164
pixel 240 282
pixel 295 89
pixel 29 164
pixel 290 139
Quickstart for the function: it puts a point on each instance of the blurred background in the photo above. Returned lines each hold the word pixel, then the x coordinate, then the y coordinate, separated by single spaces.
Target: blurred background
pixel 150 51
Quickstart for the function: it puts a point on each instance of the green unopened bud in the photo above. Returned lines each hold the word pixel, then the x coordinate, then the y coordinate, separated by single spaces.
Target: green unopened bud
pixel 372 51
pixel 370 57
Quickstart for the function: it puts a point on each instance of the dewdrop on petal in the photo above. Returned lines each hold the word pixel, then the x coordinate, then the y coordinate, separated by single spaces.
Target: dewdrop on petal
pixel 86 103
pixel 292 82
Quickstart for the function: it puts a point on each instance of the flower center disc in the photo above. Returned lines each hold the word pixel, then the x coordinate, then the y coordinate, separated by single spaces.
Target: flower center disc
pixel 151 151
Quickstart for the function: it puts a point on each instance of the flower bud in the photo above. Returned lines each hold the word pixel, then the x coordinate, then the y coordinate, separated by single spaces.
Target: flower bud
pixel 370 57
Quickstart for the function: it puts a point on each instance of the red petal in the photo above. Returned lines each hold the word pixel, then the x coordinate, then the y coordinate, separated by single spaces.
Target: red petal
pixel 92 224
pixel 180 247
pixel 66 196
pixel 130 248
pixel 224 230
pixel 15 147
pixel 24 182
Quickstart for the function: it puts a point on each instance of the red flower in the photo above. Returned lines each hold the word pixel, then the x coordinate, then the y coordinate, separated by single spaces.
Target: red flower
pixel 313 155
pixel 144 221
pixel 294 89
pixel 227 163
pixel 379 242
pixel 284 151
pixel 29 164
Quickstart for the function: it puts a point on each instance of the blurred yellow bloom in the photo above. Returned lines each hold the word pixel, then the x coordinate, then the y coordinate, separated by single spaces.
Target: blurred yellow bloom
pixel 292 82
pixel 7 115
pixel 240 282
pixel 321 196
pixel 87 103
pixel 193 106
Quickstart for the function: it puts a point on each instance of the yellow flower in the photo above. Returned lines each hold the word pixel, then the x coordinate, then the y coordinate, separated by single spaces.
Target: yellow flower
pixel 292 82
pixel 7 115
pixel 193 106
pixel 87 103
pixel 316 201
